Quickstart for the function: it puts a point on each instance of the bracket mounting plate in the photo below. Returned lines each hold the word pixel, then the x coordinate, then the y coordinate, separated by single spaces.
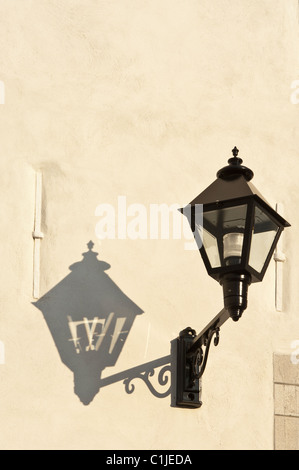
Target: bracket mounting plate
pixel 188 387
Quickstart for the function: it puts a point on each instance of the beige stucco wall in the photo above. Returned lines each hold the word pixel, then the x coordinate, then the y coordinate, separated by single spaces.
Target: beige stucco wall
pixel 143 99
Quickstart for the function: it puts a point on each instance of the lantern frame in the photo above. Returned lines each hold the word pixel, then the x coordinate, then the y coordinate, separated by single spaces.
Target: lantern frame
pixel 244 266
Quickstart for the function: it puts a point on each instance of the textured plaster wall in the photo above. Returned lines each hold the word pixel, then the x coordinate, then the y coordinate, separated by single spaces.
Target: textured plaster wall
pixel 143 99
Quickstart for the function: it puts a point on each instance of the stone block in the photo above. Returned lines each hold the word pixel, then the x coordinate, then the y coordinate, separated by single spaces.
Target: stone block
pixel 285 371
pixel 286 434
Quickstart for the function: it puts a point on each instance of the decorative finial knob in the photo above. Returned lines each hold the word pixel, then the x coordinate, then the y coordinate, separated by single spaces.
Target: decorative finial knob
pixel 235 151
pixel 235 168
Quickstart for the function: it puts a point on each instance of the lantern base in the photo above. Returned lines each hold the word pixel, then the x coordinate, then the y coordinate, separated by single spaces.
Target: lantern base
pixel 235 288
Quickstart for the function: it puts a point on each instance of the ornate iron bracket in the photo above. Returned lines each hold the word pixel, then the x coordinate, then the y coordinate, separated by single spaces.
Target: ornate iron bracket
pixel 192 360
pixel 199 359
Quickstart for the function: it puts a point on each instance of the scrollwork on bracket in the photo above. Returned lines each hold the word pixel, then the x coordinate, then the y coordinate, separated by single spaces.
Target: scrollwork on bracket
pixel 198 360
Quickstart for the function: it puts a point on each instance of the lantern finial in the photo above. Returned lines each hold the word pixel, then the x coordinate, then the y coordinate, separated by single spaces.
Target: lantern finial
pixel 235 151
pixel 235 168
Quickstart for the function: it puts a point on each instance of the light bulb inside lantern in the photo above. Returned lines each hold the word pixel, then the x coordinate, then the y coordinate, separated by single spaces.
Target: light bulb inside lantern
pixel 232 248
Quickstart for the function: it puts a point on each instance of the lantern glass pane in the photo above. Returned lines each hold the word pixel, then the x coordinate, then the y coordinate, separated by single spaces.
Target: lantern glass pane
pixel 263 235
pixel 211 247
pixel 223 234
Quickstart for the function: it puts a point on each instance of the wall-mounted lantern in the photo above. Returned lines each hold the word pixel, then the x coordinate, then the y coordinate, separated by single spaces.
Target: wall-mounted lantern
pixel 236 231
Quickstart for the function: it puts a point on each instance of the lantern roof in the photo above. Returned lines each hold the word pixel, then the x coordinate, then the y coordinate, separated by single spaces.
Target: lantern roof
pixel 234 182
pixel 223 189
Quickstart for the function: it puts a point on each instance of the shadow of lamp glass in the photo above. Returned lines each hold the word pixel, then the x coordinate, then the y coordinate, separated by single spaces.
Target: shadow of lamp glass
pixel 89 318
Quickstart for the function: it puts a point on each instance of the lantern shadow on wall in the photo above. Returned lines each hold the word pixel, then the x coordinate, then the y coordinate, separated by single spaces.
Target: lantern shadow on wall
pixel 90 318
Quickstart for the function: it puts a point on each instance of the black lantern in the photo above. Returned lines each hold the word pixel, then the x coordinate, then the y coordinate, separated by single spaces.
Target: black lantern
pixel 236 231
